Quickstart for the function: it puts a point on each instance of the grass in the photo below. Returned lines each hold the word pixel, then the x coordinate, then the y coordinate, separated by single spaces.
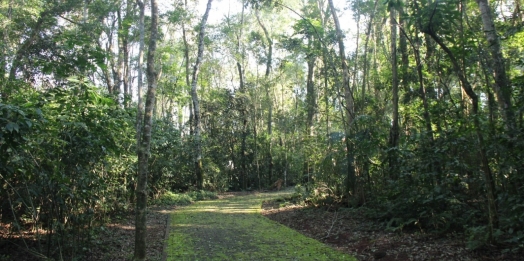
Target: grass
pixel 233 229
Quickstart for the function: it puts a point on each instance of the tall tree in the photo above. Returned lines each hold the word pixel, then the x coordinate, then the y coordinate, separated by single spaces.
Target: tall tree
pixel 269 57
pixel 196 104
pixel 394 131
pixel 365 70
pixel 145 142
pixel 502 86
pixel 243 100
pixel 140 104
pixel 187 71
pixel 349 106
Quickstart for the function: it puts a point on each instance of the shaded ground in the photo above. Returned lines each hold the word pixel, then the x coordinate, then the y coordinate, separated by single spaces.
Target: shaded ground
pixel 351 232
pixel 348 231
pixel 115 241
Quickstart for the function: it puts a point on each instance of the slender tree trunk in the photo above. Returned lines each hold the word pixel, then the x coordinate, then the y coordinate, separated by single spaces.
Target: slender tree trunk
pixel 357 44
pixel 243 112
pixel 349 108
pixel 324 16
pixel 119 66
pixel 394 131
pixel 145 142
pixel 125 51
pixel 502 85
pixel 502 88
pixel 243 106
pixel 365 77
pixel 311 95
pixel 140 105
pixel 196 104
pixel 188 82
pixel 268 95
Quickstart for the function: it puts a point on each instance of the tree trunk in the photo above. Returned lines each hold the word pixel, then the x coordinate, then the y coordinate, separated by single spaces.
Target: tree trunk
pixel 502 86
pixel 365 77
pixel 394 131
pixel 243 106
pixel 119 66
pixel 188 82
pixel 268 95
pixel 145 142
pixel 349 108
pixel 196 104
pixel 140 105
pixel 311 95
pixel 125 49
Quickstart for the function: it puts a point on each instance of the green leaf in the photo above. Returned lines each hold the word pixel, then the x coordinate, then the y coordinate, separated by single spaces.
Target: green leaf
pixel 12 126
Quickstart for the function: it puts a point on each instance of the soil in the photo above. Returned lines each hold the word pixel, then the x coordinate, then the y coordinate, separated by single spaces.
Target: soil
pixel 350 231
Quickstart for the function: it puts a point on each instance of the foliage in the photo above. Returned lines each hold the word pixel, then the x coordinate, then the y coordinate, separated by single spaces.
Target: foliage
pixel 62 171
pixel 170 198
pixel 68 148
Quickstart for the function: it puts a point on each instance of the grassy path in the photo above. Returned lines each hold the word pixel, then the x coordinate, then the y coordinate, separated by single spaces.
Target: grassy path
pixel 232 229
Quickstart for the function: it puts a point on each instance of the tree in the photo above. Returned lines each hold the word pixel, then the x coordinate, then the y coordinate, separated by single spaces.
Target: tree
pixel 394 131
pixel 196 104
pixel 140 104
pixel 349 106
pixel 269 60
pixel 145 141
pixel 502 86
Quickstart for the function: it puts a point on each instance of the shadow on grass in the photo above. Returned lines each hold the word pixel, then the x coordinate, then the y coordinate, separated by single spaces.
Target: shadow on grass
pixel 233 229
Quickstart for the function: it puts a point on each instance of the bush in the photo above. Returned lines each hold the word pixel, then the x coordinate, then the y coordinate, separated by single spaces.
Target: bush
pixel 170 198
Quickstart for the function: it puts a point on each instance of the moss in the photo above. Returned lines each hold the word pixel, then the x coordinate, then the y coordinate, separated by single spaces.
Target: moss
pixel 233 229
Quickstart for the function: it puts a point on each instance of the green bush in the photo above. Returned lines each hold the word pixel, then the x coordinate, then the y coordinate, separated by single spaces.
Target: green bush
pixel 183 199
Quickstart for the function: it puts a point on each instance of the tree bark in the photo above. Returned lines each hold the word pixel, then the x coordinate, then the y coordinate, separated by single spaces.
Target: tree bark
pixel 502 85
pixel 365 77
pixel 243 100
pixel 196 104
pixel 188 82
pixel 145 142
pixel 125 50
pixel 268 95
pixel 140 106
pixel 394 131
pixel 349 108
pixel 311 95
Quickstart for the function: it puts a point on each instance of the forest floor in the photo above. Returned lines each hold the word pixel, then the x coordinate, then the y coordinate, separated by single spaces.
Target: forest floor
pixel 350 231
pixel 346 230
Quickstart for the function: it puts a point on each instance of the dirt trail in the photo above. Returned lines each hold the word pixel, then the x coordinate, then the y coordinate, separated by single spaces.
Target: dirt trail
pixel 233 229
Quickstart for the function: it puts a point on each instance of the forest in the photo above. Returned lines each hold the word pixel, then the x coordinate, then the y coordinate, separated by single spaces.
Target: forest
pixel 413 110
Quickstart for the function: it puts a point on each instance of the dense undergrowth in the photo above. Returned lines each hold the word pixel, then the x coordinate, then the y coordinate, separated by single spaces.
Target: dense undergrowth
pixel 437 216
pixel 68 164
